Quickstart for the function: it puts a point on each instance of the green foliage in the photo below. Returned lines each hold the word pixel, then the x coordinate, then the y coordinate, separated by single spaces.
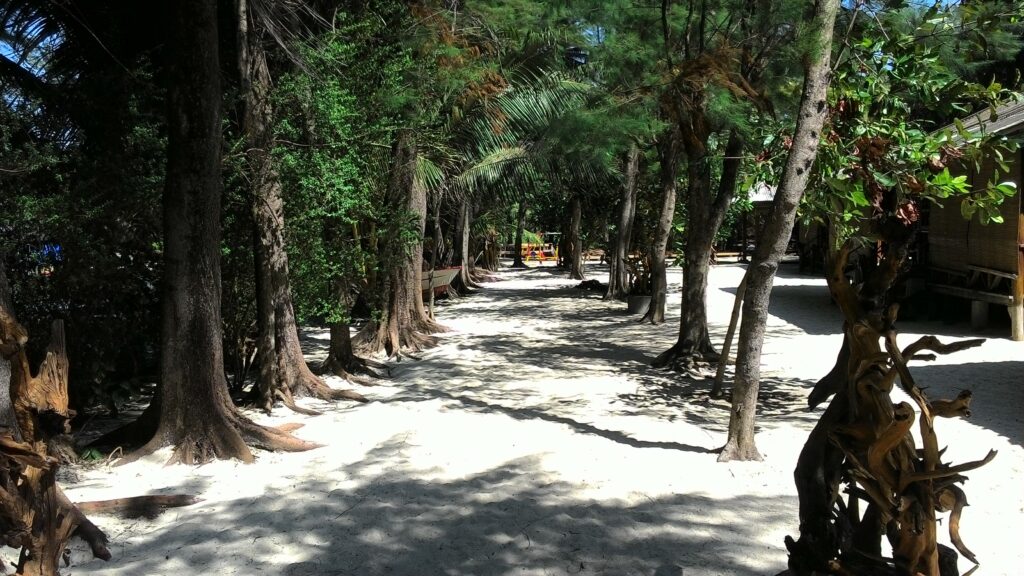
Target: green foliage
pixel 335 118
pixel 81 227
pixel 882 152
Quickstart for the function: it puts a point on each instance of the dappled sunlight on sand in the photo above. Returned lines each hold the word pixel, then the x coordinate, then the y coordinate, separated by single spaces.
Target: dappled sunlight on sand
pixel 535 440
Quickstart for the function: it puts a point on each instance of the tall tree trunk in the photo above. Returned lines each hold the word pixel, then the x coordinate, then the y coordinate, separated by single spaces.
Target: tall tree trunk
pixel 575 242
pixel 705 214
pixel 283 372
pixel 464 226
pixel 618 277
pixel 196 416
pixel 775 236
pixel 402 323
pixel 341 357
pixel 438 243
pixel 668 157
pixel 517 250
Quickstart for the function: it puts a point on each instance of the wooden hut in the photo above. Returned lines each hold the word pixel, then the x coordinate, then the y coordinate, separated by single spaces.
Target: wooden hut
pixel 983 264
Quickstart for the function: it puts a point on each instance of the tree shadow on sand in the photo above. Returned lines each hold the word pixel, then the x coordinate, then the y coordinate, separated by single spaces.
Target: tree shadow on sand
pixel 995 405
pixel 514 519
pixel 684 398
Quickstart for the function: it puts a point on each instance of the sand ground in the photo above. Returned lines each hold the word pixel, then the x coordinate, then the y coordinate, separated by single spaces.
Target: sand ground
pixel 535 440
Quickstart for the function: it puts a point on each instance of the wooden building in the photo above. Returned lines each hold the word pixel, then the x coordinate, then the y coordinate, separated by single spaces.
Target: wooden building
pixel 983 264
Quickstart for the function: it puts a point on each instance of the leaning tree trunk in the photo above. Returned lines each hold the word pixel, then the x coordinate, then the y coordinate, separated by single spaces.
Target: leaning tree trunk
pixel 517 250
pixel 705 212
pixel 668 153
pixel 771 245
pixel 618 276
pixel 402 323
pixel 575 241
pixel 196 415
pixel 284 373
pixel 35 515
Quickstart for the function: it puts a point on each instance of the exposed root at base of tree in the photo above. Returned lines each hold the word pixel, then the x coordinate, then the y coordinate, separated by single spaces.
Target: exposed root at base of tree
pixel 732 452
pixel 341 372
pixel 289 402
pixel 428 326
pixel 353 369
pixel 230 437
pixel 289 427
pixel 312 386
pixel 478 276
pixel 688 358
pixel 138 506
pixel 374 339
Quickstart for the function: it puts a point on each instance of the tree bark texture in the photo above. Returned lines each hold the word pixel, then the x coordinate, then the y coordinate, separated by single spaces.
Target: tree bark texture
pixel 705 210
pixel 283 372
pixel 862 449
pixel 402 323
pixel 774 237
pixel 575 241
pixel 464 227
pixel 668 156
pixel 618 277
pixel 196 415
pixel 35 515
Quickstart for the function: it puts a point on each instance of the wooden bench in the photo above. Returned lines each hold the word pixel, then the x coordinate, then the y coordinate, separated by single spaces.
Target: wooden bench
pixel 984 286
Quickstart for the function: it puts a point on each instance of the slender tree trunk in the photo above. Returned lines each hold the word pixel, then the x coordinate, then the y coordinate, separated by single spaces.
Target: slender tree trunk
pixel 283 370
pixel 775 236
pixel 668 153
pixel 196 415
pixel 266 340
pixel 418 206
pixel 341 357
pixel 517 255
pixel 618 277
pixel 734 318
pixel 575 242
pixel 705 214
pixel 402 323
pixel 438 242
pixel 465 260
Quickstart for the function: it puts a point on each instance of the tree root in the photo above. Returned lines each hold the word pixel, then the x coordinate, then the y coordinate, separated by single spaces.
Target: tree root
pixel 687 357
pixel 289 427
pixel 373 339
pixel 732 452
pixel 354 368
pixel 312 386
pixel 226 438
pixel 138 506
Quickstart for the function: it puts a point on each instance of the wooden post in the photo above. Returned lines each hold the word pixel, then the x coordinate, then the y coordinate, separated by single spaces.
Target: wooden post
pixel 723 360
pixel 1016 309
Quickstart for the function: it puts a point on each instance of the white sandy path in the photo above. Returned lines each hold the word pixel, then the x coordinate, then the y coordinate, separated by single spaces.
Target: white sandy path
pixel 535 441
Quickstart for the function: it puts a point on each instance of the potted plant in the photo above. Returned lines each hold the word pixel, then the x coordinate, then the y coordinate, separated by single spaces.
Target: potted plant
pixel 638 265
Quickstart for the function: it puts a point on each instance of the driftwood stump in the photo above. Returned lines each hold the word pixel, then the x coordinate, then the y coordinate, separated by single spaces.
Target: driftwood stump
pixel 860 476
pixel 35 515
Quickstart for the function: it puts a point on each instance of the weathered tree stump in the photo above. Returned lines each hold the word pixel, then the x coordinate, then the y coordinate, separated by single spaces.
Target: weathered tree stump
pixel 35 515
pixel 862 452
